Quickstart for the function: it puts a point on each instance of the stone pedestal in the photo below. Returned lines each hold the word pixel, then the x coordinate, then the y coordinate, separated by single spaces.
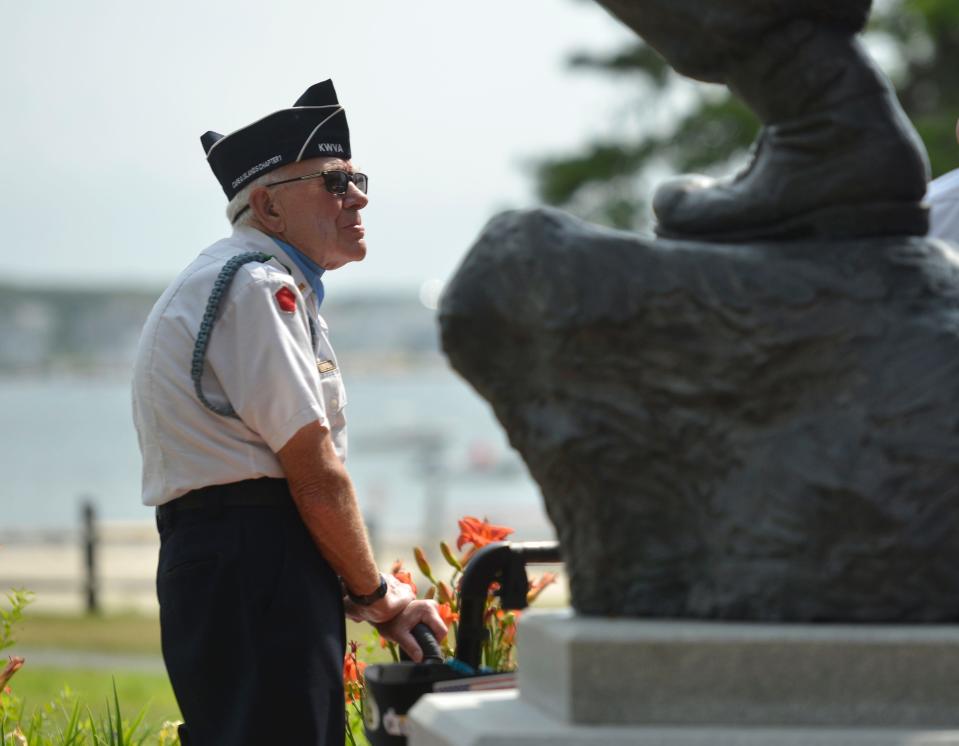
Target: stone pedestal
pixel 613 681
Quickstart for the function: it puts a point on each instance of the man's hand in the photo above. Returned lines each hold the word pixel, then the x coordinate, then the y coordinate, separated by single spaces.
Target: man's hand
pixel 397 613
pixel 398 597
pixel 398 628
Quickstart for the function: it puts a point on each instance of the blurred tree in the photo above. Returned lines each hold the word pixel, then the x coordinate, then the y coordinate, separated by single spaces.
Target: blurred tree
pixel 680 126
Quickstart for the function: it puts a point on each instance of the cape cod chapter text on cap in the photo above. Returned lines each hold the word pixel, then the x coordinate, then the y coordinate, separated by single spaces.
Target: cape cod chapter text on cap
pixel 315 126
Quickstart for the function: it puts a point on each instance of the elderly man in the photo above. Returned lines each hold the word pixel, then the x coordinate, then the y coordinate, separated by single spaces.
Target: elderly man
pixel 238 404
pixel 836 158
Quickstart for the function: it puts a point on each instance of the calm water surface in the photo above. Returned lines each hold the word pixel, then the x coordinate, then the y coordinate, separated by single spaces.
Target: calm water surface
pixel 63 438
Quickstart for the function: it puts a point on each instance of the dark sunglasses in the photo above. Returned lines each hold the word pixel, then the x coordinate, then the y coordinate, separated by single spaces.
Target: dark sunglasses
pixel 336 182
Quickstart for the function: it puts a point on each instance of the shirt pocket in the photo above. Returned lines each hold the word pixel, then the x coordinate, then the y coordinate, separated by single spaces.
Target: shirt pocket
pixel 334 396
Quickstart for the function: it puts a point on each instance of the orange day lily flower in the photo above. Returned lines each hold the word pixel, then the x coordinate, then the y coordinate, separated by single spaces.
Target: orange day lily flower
pixel 352 675
pixel 447 614
pixel 404 576
pixel 537 585
pixel 480 533
pixel 507 622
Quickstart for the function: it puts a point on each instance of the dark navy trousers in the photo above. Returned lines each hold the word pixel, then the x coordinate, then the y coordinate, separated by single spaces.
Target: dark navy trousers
pixel 252 627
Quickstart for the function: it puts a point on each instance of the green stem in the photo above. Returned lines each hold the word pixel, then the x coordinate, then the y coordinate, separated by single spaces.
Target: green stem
pixel 349 734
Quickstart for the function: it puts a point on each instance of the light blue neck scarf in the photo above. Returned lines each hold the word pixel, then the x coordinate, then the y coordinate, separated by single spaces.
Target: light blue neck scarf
pixel 310 269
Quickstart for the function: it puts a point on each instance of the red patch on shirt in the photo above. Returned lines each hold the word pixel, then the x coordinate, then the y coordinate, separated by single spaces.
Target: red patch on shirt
pixel 286 300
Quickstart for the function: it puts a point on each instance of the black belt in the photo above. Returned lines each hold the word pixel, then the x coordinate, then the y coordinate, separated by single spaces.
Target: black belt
pixel 263 492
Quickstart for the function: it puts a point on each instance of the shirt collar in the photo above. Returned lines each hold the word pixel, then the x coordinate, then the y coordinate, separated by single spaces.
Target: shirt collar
pixel 253 239
pixel 312 271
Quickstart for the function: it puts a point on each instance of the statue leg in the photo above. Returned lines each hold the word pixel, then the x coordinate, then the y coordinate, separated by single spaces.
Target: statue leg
pixel 836 157
pixel 699 37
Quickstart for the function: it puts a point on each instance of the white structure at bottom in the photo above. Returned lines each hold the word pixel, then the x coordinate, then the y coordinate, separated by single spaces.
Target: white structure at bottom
pixel 612 682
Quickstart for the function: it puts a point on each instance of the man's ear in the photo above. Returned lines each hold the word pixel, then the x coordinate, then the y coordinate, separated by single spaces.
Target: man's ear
pixel 264 207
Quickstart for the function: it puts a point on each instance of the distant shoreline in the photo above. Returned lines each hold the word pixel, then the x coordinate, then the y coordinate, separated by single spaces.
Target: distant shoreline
pixel 94 333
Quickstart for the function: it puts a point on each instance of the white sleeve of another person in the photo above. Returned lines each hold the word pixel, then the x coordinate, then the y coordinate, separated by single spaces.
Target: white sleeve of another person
pixel 943 200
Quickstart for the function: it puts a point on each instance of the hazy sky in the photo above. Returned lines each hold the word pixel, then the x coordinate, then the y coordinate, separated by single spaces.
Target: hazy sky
pixel 104 103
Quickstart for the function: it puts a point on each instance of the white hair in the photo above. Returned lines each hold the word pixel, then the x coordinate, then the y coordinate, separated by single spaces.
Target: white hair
pixel 241 199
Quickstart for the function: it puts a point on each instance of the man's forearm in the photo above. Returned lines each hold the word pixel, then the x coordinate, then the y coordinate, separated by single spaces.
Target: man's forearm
pixel 324 496
pixel 330 511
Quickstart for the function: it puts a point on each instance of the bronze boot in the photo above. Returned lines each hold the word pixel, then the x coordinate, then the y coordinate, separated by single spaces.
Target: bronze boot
pixel 836 157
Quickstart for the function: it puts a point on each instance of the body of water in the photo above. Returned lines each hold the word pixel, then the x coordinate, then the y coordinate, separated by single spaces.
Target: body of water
pixel 423 448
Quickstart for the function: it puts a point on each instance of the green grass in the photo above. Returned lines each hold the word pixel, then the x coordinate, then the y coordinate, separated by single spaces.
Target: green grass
pixel 109 634
pixel 113 633
pixel 39 686
pixel 116 633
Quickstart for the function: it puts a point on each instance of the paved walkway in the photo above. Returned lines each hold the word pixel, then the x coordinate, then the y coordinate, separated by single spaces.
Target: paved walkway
pixel 92 661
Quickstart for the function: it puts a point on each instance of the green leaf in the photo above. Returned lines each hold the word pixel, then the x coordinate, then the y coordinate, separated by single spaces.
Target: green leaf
pixel 637 59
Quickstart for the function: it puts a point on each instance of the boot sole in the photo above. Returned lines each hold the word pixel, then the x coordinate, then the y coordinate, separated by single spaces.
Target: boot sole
pixel 831 223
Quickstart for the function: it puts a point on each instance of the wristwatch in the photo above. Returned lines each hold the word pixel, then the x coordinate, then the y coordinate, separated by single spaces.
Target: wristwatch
pixel 369 598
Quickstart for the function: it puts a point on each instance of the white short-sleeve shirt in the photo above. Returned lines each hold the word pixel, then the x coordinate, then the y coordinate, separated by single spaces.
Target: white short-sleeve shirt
pixel 943 199
pixel 263 359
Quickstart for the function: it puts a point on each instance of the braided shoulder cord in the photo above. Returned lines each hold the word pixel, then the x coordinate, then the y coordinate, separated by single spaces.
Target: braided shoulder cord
pixel 220 287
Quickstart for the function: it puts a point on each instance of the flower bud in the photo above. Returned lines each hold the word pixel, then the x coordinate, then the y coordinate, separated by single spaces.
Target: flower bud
pixel 449 556
pixel 444 593
pixel 422 563
pixel 13 665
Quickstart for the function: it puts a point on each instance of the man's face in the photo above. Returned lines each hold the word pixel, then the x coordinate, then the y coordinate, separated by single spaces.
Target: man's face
pixel 324 226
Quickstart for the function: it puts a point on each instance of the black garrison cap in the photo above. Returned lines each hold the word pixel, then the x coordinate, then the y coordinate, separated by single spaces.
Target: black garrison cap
pixel 314 127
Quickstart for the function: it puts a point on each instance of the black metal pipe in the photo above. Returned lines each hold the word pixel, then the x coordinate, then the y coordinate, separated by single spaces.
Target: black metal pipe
pixel 500 562
pixel 538 552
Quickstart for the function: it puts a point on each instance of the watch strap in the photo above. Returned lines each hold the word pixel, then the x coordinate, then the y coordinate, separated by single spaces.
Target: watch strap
pixel 369 598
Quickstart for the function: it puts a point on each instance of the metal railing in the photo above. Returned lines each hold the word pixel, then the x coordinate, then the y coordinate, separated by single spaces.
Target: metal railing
pixel 68 561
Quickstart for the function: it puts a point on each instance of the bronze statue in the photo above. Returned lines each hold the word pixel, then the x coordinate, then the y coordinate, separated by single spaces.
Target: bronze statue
pixel 836 157
pixel 755 431
pixel 735 425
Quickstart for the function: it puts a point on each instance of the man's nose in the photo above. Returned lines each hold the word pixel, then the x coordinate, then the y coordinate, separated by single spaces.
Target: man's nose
pixel 355 198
